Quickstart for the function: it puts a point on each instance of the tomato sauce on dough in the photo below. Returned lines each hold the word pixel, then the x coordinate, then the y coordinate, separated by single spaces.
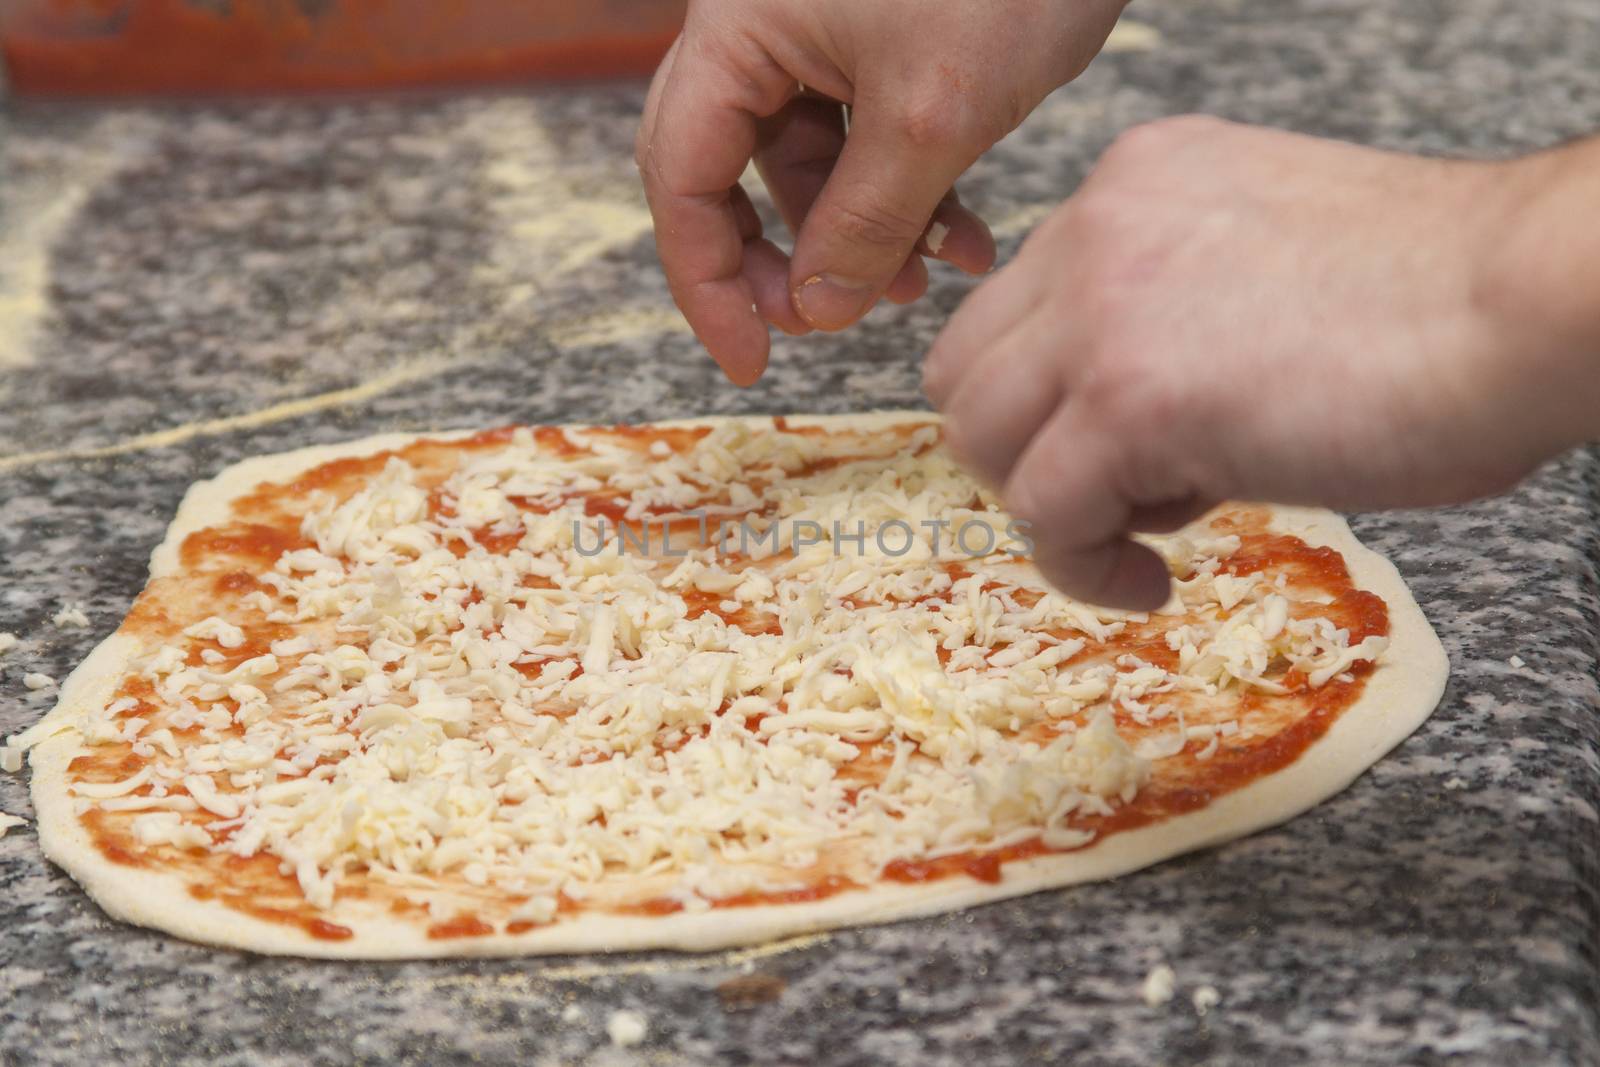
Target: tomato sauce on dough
pixel 218 573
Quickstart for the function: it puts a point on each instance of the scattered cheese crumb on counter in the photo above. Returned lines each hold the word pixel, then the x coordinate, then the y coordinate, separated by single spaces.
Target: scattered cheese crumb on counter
pixel 1206 998
pixel 8 641
pixel 8 821
pixel 36 681
pixel 70 615
pixel 1518 662
pixel 571 1014
pixel 626 1028
pixel 1158 984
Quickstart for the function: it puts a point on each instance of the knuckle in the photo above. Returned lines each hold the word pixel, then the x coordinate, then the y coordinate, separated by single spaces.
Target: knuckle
pixel 1099 210
pixel 751 80
pixel 870 222
pixel 1023 502
pixel 1116 395
pixel 1133 144
pixel 1192 125
pixel 1029 487
pixel 1157 137
pixel 1162 404
pixel 928 121
pixel 942 121
pixel 1105 406
pixel 1151 417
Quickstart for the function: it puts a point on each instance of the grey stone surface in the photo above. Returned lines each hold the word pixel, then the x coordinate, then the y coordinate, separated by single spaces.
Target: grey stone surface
pixel 181 287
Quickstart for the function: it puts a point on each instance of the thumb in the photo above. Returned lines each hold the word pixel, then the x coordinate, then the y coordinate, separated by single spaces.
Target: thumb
pixel 890 176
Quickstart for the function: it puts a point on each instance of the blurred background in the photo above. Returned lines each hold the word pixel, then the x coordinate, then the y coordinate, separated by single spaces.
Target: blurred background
pixel 209 47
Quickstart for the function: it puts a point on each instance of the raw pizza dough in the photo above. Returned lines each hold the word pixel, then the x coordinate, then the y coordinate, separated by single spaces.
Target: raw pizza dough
pixel 1397 696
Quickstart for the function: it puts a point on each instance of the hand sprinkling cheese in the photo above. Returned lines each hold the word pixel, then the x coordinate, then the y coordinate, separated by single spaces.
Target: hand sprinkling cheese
pixel 866 203
pixel 1106 430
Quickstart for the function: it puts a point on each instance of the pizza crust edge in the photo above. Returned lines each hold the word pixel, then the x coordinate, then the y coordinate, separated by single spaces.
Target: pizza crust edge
pixel 1396 700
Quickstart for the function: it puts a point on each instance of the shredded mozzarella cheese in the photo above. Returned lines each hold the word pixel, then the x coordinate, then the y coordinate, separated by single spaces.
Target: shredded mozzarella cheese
pixel 547 718
pixel 70 615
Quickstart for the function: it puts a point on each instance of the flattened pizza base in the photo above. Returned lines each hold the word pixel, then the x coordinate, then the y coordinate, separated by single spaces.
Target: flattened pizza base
pixel 1394 701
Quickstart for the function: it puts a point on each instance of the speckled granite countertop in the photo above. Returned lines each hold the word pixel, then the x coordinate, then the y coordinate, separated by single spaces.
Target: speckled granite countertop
pixel 182 288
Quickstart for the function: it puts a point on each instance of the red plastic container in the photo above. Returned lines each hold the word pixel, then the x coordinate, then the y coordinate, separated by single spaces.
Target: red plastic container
pixel 210 47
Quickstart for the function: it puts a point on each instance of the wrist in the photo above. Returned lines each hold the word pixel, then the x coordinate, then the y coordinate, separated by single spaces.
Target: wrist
pixel 1539 283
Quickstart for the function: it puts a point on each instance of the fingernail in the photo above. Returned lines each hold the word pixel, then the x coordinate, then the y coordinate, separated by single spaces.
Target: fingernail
pixel 828 302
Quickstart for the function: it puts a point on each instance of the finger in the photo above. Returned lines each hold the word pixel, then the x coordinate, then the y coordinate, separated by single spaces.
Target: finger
pixel 652 97
pixel 959 237
pixel 796 150
pixel 910 283
pixel 1003 402
pixel 1004 300
pixel 1168 517
pixel 1064 490
pixel 696 142
pixel 1035 338
pixel 870 215
pixel 766 268
pixel 745 217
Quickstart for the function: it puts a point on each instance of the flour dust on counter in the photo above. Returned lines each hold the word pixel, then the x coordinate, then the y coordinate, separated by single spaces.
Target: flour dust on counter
pixel 687 685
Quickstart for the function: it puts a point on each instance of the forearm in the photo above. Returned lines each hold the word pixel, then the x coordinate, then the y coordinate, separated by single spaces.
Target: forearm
pixel 1542 281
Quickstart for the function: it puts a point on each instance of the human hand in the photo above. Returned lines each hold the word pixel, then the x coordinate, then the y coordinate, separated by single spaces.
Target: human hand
pixel 1230 312
pixel 930 86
